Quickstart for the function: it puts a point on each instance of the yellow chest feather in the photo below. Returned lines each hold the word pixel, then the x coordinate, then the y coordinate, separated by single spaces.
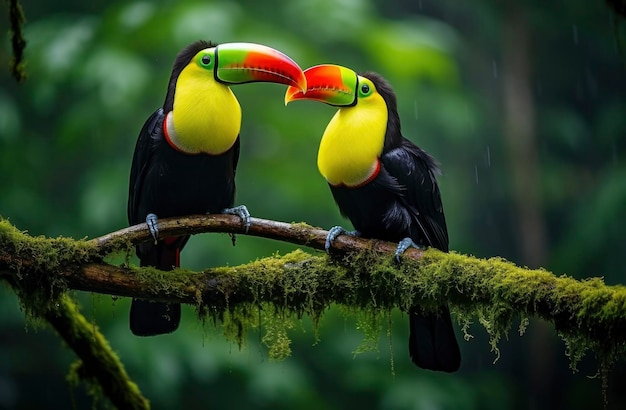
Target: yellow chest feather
pixel 352 144
pixel 206 117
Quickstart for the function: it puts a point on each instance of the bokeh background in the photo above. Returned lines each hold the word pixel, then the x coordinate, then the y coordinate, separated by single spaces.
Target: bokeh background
pixel 522 102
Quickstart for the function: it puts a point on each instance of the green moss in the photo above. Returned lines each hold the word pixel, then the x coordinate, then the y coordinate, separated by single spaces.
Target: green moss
pixel 491 292
pixel 276 324
pixel 177 281
pixel 370 323
pixel 301 225
pixel 77 374
pixel 18 43
pixel 40 282
pixel 237 321
pixel 263 280
pixel 98 368
pixel 271 293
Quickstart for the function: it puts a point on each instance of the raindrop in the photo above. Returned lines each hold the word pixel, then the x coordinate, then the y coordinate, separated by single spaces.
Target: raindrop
pixel 495 68
pixel 488 157
pixel 420 4
pixel 415 108
pixel 476 171
pixel 575 33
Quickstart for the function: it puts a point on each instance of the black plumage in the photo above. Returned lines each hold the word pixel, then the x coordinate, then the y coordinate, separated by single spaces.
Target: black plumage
pixel 403 200
pixel 169 183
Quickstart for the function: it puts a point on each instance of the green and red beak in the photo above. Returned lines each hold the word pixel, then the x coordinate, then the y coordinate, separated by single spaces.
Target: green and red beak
pixel 238 63
pixel 328 83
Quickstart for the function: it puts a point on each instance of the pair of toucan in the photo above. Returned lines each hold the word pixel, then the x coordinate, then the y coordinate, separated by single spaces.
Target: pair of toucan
pixel 187 153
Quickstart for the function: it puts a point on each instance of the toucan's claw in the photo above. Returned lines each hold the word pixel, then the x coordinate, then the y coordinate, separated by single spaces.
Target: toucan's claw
pixel 242 212
pixel 334 232
pixel 153 226
pixel 405 244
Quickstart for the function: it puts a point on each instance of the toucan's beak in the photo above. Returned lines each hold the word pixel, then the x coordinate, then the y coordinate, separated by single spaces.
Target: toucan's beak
pixel 327 83
pixel 239 63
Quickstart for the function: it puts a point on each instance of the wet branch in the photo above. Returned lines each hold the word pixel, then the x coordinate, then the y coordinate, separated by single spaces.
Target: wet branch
pixel 18 43
pixel 98 364
pixel 361 274
pixel 296 233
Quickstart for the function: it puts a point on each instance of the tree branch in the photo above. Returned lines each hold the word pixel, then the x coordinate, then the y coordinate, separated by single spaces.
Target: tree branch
pixel 296 233
pixel 18 43
pixel 99 365
pixel 362 274
pixel 98 362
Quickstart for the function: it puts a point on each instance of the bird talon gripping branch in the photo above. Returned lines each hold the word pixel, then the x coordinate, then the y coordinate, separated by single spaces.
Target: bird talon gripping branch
pixel 334 232
pixel 242 212
pixel 153 226
pixel 403 245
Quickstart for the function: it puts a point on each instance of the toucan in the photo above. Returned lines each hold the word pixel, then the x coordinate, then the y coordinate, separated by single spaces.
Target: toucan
pixel 385 185
pixel 187 151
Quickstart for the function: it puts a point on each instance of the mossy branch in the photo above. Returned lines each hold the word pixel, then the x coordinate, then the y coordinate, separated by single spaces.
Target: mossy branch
pixel 98 365
pixel 18 43
pixel 361 274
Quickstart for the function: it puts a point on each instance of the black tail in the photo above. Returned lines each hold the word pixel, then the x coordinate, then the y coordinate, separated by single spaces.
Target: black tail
pixel 153 318
pixel 432 344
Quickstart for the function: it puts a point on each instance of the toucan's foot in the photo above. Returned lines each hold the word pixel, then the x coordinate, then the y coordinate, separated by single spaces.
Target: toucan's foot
pixel 153 226
pixel 242 212
pixel 334 232
pixel 405 244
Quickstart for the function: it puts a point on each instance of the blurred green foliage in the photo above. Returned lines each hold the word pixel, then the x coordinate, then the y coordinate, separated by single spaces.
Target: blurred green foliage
pixel 98 69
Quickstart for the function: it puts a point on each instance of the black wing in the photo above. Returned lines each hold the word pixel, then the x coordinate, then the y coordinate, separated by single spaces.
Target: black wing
pixel 432 343
pixel 235 148
pixel 415 170
pixel 142 159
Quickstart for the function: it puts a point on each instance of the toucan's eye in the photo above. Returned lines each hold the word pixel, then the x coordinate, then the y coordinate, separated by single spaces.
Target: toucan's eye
pixel 206 60
pixel 365 89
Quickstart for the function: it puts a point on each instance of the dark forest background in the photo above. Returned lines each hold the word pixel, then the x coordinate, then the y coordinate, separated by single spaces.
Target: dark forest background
pixel 522 103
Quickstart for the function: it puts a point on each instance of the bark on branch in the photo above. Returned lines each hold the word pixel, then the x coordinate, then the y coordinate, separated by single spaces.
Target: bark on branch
pixel 361 274
pixel 296 233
